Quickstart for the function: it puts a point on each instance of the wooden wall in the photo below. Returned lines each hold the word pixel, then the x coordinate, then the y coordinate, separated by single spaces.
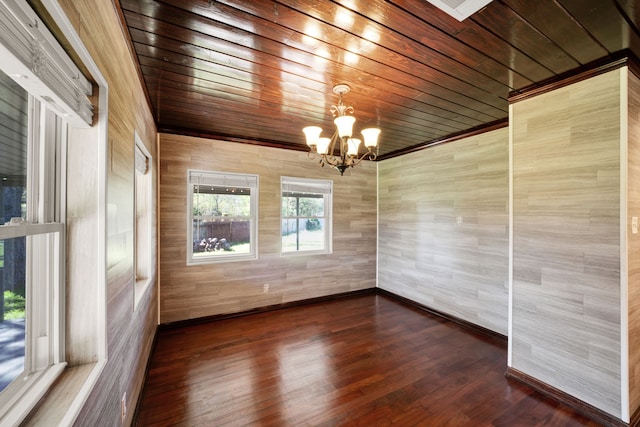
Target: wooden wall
pixel 189 292
pixel 129 333
pixel 566 240
pixel 633 241
pixel 443 228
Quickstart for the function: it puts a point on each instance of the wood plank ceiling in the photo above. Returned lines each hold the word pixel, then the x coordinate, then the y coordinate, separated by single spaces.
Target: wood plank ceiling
pixel 259 71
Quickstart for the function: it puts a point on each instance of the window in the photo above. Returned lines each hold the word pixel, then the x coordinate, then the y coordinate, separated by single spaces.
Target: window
pixel 143 223
pixel 31 244
pixel 41 90
pixel 222 212
pixel 306 215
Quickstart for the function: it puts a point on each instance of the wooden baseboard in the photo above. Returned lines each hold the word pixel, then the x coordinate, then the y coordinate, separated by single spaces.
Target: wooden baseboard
pixel 454 319
pixel 584 408
pixel 134 420
pixel 368 291
pixel 635 418
pixel 215 317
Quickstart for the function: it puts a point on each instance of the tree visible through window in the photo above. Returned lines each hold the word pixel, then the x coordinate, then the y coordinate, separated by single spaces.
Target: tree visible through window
pixel 306 215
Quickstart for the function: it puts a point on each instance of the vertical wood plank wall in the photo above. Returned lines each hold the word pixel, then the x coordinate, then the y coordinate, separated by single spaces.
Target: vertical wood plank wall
pixel 443 228
pixel 633 242
pixel 129 333
pixel 566 239
pixel 189 292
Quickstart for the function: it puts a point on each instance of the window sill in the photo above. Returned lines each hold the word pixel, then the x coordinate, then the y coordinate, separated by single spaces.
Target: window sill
pixel 305 253
pixel 141 287
pixel 62 404
pixel 220 259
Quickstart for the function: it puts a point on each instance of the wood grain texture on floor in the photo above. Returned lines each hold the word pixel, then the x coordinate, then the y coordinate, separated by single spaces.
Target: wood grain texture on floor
pixel 360 361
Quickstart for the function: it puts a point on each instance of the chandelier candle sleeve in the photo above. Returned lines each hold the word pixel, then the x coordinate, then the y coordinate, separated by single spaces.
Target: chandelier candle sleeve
pixel 312 134
pixel 354 144
pixel 345 126
pixel 323 145
pixel 370 137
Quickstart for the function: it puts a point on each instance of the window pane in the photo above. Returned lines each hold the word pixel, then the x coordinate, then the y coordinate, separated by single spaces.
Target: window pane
pixel 290 235
pixel 12 309
pixel 223 213
pixel 221 224
pixel 288 206
pixel 306 215
pixel 303 234
pixel 221 237
pixel 306 205
pixel 14 103
pixel 312 235
pixel 311 207
pixel 221 201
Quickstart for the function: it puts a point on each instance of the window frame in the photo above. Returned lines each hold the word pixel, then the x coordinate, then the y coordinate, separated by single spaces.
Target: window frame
pixel 322 187
pixel 36 61
pixel 44 230
pixel 143 219
pixel 219 178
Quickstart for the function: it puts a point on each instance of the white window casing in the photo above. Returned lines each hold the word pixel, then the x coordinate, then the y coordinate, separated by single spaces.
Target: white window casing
pixel 248 182
pixel 143 220
pixel 59 94
pixel 311 187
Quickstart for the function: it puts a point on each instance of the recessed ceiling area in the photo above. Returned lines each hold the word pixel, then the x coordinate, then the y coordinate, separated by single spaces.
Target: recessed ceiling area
pixel 258 72
pixel 459 9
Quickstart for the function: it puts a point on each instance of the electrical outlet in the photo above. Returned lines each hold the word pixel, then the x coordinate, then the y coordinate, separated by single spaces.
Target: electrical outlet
pixel 265 288
pixel 123 407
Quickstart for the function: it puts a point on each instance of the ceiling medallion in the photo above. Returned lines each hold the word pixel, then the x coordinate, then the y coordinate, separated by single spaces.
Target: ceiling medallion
pixel 341 150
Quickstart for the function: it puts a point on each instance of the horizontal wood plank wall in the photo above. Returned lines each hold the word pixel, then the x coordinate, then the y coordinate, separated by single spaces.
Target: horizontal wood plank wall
pixel 444 228
pixel 566 240
pixel 633 242
pixel 189 292
pixel 129 333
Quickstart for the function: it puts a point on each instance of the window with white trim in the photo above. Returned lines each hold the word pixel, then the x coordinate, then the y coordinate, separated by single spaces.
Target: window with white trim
pixel 41 90
pixel 222 217
pixel 31 244
pixel 144 211
pixel 306 215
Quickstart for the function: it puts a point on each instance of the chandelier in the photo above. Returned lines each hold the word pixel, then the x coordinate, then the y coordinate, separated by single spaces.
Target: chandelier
pixel 341 150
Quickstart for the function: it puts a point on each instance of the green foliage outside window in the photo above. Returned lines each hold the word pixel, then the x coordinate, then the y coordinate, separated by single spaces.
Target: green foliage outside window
pixel 14 306
pixel 302 206
pixel 217 205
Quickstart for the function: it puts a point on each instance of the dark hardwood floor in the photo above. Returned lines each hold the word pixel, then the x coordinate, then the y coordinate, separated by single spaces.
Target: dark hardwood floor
pixel 361 361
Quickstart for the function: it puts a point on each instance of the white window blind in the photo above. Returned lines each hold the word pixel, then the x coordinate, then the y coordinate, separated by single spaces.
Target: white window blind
pixel 141 161
pixel 223 179
pixel 33 57
pixel 300 185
